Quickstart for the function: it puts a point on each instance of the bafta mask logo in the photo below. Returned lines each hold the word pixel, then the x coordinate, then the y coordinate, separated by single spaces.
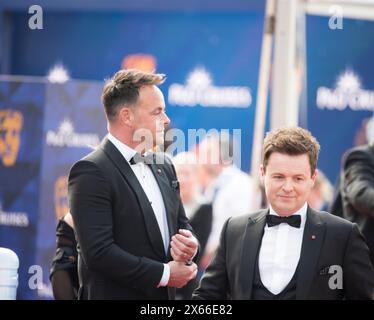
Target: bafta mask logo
pixel 61 197
pixel 11 123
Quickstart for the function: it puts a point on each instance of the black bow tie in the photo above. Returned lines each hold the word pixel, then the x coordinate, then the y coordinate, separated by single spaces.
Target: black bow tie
pixel 293 221
pixel 137 158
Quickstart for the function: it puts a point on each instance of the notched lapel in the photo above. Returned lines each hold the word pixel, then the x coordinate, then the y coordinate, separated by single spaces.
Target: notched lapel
pixel 250 246
pixel 313 238
pixel 149 217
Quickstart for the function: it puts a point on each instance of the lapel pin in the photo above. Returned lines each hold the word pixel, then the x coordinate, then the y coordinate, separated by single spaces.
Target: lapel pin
pixel 313 237
pixel 159 171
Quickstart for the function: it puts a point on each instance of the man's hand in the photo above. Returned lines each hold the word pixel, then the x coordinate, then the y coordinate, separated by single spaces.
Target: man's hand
pixel 180 273
pixel 183 246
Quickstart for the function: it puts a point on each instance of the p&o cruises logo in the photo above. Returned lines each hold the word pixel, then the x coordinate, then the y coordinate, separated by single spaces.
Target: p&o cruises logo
pixel 347 94
pixel 199 90
pixel 67 137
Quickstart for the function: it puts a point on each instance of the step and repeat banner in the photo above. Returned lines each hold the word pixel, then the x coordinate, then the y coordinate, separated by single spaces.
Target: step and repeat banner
pixel 74 125
pixel 21 146
pixel 211 59
pixel 44 129
pixel 340 81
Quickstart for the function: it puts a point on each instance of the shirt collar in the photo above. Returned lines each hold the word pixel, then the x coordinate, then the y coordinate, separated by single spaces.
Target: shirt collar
pixel 302 212
pixel 124 149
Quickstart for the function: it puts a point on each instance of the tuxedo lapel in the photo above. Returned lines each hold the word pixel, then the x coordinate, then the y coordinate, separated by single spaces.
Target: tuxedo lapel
pixel 312 242
pixel 250 246
pixel 167 196
pixel 149 217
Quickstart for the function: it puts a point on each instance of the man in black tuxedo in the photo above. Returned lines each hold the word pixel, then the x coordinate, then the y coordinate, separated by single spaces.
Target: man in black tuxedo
pixel 289 251
pixel 134 239
pixel 355 200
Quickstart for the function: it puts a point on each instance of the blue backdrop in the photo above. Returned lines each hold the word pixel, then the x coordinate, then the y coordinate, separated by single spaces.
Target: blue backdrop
pixel 340 86
pixel 21 136
pixel 93 46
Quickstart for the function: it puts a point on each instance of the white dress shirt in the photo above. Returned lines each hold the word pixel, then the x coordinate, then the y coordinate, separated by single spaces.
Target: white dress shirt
pixel 280 252
pixel 150 187
pixel 230 196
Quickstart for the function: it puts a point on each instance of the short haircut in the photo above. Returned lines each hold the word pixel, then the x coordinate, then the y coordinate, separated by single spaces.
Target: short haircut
pixel 123 89
pixel 291 141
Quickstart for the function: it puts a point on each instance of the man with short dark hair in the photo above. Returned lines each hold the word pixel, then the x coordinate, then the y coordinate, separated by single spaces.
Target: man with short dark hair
pixel 134 239
pixel 289 251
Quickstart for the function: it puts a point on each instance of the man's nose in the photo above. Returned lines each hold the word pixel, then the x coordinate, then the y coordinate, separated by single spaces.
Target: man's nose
pixel 287 186
pixel 166 120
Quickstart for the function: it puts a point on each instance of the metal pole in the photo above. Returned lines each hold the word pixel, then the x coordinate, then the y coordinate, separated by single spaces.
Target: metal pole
pixel 262 95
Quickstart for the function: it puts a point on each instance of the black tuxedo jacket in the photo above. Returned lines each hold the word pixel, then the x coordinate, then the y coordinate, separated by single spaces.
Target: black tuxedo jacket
pixel 357 190
pixel 121 253
pixel 201 223
pixel 328 241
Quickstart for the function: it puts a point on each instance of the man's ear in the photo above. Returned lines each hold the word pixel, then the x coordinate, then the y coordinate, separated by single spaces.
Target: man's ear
pixel 126 116
pixel 314 176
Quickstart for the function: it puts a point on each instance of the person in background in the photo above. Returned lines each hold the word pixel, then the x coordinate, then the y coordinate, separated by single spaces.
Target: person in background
pixel 198 211
pixel 322 193
pixel 354 198
pixel 64 270
pixel 227 187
